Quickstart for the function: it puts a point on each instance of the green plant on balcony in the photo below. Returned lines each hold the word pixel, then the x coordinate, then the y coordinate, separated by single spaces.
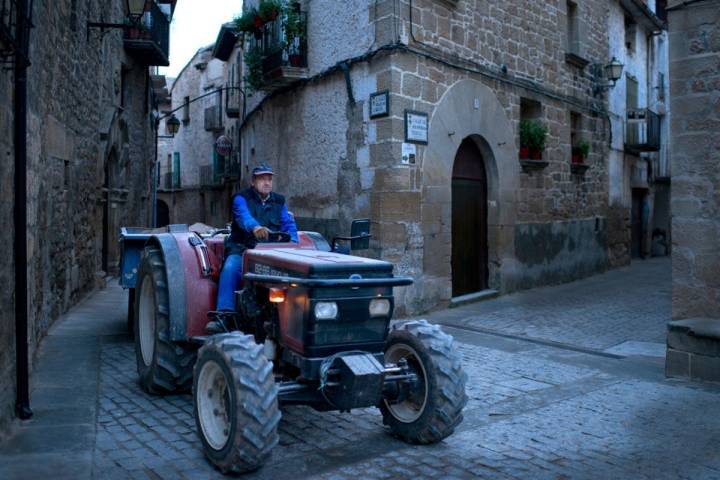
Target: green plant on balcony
pixel 269 10
pixel 533 135
pixel 253 64
pixel 244 23
pixel 580 151
pixel 295 34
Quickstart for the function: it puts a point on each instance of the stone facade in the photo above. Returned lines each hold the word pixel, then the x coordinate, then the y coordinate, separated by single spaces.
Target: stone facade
pixel 90 153
pixel 694 335
pixel 476 68
pixel 695 86
pixel 199 192
pixel 638 39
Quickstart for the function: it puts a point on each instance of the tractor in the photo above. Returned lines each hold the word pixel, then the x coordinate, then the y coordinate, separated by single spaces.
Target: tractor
pixel 311 327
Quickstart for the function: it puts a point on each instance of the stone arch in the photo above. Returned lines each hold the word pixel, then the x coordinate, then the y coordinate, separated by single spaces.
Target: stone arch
pixel 468 109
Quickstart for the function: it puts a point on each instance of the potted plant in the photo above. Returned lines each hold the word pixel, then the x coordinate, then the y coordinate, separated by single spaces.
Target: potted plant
pixel 525 134
pixel 532 137
pixel 257 19
pixel 253 65
pixel 580 151
pixel 269 10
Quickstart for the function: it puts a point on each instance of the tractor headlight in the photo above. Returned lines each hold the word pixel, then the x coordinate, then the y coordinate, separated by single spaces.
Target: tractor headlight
pixel 326 310
pixel 379 307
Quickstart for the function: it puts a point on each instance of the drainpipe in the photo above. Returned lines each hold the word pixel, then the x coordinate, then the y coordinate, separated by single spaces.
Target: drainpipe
pixel 22 403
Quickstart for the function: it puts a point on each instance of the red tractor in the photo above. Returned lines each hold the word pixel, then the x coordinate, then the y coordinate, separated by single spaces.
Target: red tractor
pixel 312 327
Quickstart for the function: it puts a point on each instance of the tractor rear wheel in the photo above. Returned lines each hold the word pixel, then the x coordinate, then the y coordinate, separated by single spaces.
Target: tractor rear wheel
pixel 235 402
pixel 164 366
pixel 430 408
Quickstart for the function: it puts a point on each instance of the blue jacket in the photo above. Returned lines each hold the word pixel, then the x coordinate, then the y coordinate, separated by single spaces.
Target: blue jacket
pixel 249 212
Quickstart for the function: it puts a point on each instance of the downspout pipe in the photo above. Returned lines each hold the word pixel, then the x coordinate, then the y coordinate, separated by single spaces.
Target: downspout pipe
pixel 22 367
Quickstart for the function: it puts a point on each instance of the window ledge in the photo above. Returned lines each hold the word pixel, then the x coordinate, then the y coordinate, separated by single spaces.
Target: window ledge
pixel 532 165
pixel 579 168
pixel 576 60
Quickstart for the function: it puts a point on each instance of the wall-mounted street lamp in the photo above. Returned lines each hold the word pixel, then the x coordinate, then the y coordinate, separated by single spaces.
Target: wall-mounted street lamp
pixel 612 71
pixel 172 125
pixel 135 9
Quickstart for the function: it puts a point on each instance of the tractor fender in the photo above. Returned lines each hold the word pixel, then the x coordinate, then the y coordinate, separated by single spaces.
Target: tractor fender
pixel 177 300
pixel 192 289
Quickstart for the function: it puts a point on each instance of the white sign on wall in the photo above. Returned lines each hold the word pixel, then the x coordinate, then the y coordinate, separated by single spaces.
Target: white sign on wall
pixel 409 153
pixel 416 127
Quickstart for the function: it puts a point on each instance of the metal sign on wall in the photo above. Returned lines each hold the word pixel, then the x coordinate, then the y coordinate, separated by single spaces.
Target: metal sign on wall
pixel 223 145
pixel 380 104
pixel 416 127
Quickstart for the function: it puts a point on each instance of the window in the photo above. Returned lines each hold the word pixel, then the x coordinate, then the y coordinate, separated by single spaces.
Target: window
pixel 186 111
pixel 630 34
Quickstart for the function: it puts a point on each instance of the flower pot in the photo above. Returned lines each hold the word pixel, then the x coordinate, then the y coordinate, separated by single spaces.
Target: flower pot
pixel 524 152
pixel 295 60
pixel 577 158
pixel 536 154
pixel 258 21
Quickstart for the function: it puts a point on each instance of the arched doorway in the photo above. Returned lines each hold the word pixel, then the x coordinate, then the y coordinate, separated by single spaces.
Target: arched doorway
pixel 114 211
pixel 163 214
pixel 469 221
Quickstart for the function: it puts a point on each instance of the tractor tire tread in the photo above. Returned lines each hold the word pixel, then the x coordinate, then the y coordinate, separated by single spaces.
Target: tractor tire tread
pixel 171 368
pixel 448 397
pixel 257 413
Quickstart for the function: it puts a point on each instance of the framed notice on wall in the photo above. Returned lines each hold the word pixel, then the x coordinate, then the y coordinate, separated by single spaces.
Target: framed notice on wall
pixel 416 127
pixel 380 104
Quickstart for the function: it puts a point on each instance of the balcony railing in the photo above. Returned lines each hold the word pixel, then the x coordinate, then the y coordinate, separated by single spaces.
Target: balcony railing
pixel 284 58
pixel 642 131
pixel 209 177
pixel 167 181
pixel 150 42
pixel 213 119
pixel 9 36
pixel 233 101
pixel 661 165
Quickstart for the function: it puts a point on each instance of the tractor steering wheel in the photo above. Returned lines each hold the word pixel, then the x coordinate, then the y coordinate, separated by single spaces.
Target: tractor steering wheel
pixel 278 237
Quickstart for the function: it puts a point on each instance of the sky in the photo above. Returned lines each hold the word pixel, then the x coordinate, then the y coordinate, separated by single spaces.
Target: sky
pixel 196 24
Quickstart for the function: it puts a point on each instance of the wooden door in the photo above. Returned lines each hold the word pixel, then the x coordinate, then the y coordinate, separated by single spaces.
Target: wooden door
pixel 469 221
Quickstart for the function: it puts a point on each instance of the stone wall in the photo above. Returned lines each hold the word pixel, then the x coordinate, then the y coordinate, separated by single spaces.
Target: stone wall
pixel 79 141
pixel 695 155
pixel 335 163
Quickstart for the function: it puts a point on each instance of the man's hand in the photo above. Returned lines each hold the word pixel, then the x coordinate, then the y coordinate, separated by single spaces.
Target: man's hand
pixel 261 233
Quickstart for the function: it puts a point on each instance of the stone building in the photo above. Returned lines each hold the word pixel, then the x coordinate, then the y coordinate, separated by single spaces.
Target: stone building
pixel 195 185
pixel 451 202
pixel 638 166
pixel 694 335
pixel 90 147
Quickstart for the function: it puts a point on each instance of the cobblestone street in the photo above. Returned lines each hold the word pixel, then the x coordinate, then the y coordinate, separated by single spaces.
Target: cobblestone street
pixel 564 382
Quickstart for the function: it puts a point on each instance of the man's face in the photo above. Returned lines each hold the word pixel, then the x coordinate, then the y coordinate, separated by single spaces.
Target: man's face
pixel 263 184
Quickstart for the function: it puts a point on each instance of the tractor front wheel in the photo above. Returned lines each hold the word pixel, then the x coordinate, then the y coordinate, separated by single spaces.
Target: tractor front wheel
pixel 164 366
pixel 429 408
pixel 235 401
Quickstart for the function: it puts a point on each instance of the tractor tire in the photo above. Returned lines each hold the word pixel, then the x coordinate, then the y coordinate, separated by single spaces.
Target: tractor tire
pixel 164 366
pixel 433 406
pixel 235 402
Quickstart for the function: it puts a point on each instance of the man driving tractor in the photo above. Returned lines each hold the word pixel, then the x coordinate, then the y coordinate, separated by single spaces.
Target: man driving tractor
pixel 256 212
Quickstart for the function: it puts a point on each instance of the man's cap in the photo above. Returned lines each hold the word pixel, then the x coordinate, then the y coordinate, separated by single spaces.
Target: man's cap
pixel 262 169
